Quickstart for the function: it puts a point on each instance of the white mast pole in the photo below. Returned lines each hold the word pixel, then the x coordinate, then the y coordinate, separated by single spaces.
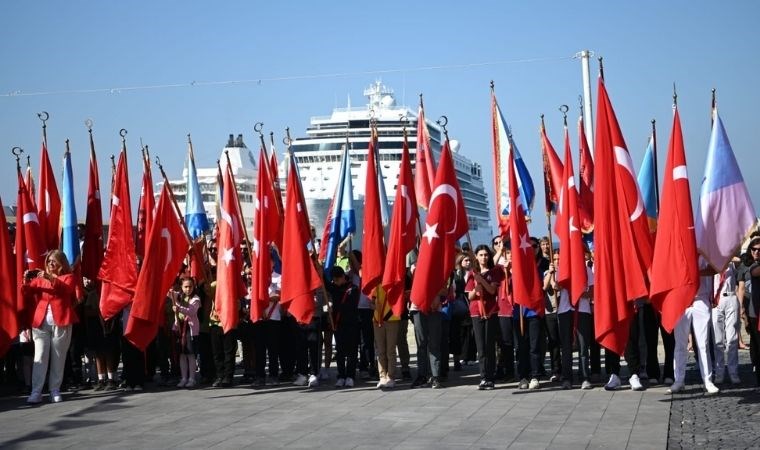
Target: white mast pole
pixel 584 56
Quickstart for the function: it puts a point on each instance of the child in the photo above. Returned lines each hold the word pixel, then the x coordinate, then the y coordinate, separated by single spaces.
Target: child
pixel 186 327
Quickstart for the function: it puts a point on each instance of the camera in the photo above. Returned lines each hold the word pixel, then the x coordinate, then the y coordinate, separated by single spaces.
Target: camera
pixel 32 273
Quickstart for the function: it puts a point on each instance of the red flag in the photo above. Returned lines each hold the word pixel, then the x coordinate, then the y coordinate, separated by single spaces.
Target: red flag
pixel 586 177
pixel 145 209
pixel 552 172
pixel 674 285
pixel 8 319
pixel 424 165
pixel 274 175
pixel 326 231
pixel 92 247
pixel 622 240
pixel 403 235
pixel 30 182
pixel 49 203
pixel 167 245
pixel 373 240
pixel 445 224
pixel 572 266
pixel 266 227
pixel 300 279
pixel 197 260
pixel 526 288
pixel 119 268
pixel 229 287
pixel 30 248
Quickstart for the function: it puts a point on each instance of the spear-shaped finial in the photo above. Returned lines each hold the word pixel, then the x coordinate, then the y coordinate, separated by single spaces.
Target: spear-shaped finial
pixel 601 68
pixel 564 109
pixel 17 151
pixel 675 95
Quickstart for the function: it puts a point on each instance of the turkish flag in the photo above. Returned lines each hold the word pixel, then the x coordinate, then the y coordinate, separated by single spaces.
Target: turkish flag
pixel 526 287
pixel 145 209
pixel 623 251
pixel 674 285
pixel 266 228
pixel 402 237
pixel 586 181
pixel 8 319
pixel 49 203
pixel 553 170
pixel 424 165
pixel 167 244
pixel 30 248
pixel 446 222
pixel 275 178
pixel 119 268
pixel 301 278
pixel 572 262
pixel 373 240
pixel 92 247
pixel 229 286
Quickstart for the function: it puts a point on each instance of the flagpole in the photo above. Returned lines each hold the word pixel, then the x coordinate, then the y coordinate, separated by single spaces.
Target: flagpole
pixel 239 208
pixel 713 107
pixel 174 201
pixel 257 128
pixel 44 116
pixel 314 260
pixel 404 122
pixel 443 121
pixel 547 186
pixel 656 176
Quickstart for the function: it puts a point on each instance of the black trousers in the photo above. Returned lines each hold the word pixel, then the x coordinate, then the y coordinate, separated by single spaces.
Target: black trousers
pixel 287 346
pixel 530 357
pixel 346 343
pixel 576 326
pixel 223 348
pixel 266 336
pixel 308 347
pixel 506 344
pixel 367 339
pixel 133 364
pixel 754 347
pixel 486 334
pixel 553 343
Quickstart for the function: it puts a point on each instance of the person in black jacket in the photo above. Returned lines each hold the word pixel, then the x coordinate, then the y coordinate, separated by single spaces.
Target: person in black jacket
pixel 345 303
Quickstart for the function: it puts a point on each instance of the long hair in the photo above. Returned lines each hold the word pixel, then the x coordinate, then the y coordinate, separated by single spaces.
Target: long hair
pixel 489 260
pixel 60 257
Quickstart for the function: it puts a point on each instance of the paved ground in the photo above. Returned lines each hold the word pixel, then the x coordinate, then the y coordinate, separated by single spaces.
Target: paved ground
pixel 363 417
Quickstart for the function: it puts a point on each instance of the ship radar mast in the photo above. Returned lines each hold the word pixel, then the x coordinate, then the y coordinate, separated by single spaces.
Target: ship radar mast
pixel 379 96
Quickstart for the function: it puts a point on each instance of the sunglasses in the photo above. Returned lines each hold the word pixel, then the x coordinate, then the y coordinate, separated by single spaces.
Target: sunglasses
pixel 755 249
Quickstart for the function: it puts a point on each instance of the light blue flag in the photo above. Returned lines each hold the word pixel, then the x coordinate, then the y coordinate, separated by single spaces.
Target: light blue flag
pixel 69 236
pixel 384 210
pixel 195 213
pixel 524 181
pixel 343 218
pixel 648 184
pixel 726 214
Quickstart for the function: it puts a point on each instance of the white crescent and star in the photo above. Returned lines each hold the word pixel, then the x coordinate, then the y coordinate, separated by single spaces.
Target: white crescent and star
pixel 623 158
pixel 166 235
pixel 444 189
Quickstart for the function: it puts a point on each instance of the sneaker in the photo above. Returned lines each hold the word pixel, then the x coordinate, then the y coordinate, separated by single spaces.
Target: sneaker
pixel 711 388
pixel 128 389
pixel 586 385
pixel 100 385
pixel 340 383
pixel 533 384
pixel 523 384
pixel 735 379
pixel 182 383
pixel 390 384
pixel 349 382
pixel 613 383
pixel 489 386
pixel 138 388
pixel 667 381
pixel 111 386
pixel 190 383
pixel 419 382
pixel 324 374
pixel 380 384
pixel 553 378
pixel 313 381
pixel 482 385
pixel 34 398
pixel 55 396
pixel 718 378
pixel 435 384
pixel 301 380
pixel 567 385
pixel 217 383
pixel 677 386
pixel 635 383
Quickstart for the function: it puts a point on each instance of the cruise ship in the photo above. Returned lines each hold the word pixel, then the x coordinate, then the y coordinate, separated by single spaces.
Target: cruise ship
pixel 318 156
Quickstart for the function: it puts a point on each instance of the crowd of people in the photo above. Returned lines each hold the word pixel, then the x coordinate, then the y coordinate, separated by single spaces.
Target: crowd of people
pixel 472 321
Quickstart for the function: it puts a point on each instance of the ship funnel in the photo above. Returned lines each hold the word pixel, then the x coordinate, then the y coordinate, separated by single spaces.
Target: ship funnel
pixel 231 141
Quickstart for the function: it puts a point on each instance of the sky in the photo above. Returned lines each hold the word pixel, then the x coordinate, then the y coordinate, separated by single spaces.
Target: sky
pixel 281 63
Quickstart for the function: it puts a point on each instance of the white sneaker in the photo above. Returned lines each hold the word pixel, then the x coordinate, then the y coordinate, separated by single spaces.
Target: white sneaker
pixel 677 386
pixel 735 379
pixel 55 397
pixel 340 383
pixel 190 383
pixel 313 381
pixel 381 383
pixel 586 385
pixel 390 384
pixel 300 380
pixel 34 398
pixel 182 383
pixel 533 384
pixel 635 383
pixel 324 374
pixel 711 388
pixel 613 384
pixel 349 382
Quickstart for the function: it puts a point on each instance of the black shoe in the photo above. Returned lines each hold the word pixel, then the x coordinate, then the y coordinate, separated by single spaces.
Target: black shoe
pixel 457 366
pixel 419 382
pixel 435 384
pixel 99 386
pixel 110 386
pixel 406 375
pixel 246 379
pixel 217 383
pixel 226 383
pixel 488 386
pixel 482 385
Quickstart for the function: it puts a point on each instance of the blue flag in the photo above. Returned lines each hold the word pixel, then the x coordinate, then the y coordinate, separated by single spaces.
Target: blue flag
pixel 343 219
pixel 69 236
pixel 648 184
pixel 195 214
pixel 504 145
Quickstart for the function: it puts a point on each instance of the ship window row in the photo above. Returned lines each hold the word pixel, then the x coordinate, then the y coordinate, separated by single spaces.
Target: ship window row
pixel 337 158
